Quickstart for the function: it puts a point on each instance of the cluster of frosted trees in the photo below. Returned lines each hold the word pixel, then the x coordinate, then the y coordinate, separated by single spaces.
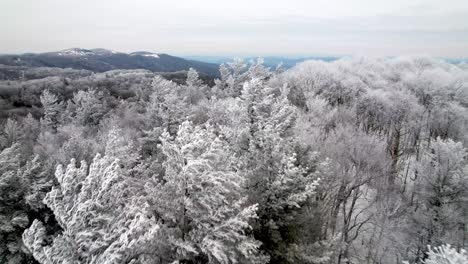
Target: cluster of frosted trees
pixel 355 161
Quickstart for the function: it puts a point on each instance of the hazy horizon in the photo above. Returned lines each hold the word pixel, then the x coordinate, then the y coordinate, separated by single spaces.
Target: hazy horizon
pixel 191 54
pixel 373 28
pixel 208 57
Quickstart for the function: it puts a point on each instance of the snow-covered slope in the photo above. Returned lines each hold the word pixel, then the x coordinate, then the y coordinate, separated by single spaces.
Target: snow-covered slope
pixel 100 60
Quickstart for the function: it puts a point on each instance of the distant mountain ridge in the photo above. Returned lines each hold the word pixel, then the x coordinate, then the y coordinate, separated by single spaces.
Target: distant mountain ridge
pixel 101 60
pixel 270 61
pixel 289 62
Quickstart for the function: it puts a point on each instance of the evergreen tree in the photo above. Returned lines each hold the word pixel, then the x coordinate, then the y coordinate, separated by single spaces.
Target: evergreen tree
pixel 200 201
pixel 441 198
pixel 22 189
pixel 52 111
pixel 102 219
pixel 276 179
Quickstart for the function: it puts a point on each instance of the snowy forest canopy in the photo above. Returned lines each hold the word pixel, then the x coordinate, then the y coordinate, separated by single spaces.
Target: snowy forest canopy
pixel 352 161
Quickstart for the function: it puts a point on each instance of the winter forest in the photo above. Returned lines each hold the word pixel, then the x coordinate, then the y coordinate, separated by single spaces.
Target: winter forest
pixel 354 161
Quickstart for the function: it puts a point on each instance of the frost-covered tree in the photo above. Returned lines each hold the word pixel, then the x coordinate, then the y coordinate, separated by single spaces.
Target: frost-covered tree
pixel 200 201
pixel 13 216
pixel 90 107
pixel 233 76
pixel 280 181
pixel 395 115
pixel 122 148
pixel 445 254
pixel 22 189
pixel 440 204
pixel 195 90
pixel 102 219
pixel 257 70
pixel 29 131
pixel 165 108
pixel 193 79
pixel 52 111
pixel 10 133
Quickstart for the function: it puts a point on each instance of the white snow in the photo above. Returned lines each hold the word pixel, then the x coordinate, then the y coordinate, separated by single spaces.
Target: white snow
pixel 152 55
pixel 77 52
pixel 146 54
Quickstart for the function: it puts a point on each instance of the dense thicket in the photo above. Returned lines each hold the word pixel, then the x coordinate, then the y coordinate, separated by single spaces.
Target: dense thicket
pixel 352 161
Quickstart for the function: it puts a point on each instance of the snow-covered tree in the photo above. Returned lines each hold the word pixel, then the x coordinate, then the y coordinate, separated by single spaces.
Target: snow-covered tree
pixel 52 110
pixel 200 201
pixel 257 70
pixel 22 189
pixel 233 76
pixel 445 254
pixel 30 129
pixel 194 92
pixel 90 107
pixel 10 133
pixel 279 180
pixel 13 216
pixel 193 79
pixel 441 197
pixel 119 147
pixel 102 219
pixel 165 108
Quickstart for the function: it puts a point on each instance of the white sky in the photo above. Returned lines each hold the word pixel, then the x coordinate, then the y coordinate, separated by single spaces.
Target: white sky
pixel 239 27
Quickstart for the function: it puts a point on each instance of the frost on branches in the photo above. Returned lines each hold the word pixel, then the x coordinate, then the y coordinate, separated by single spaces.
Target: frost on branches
pixel 22 189
pixel 277 178
pixel 102 221
pixel 200 201
pixel 196 213
pixel 445 254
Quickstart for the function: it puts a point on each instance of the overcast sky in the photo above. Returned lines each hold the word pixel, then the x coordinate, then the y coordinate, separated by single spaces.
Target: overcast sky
pixel 239 27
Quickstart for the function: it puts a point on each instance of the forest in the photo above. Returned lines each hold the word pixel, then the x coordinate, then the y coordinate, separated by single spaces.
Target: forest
pixel 355 161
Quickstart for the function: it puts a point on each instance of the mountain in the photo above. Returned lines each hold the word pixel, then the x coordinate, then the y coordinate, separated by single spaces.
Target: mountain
pixel 101 60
